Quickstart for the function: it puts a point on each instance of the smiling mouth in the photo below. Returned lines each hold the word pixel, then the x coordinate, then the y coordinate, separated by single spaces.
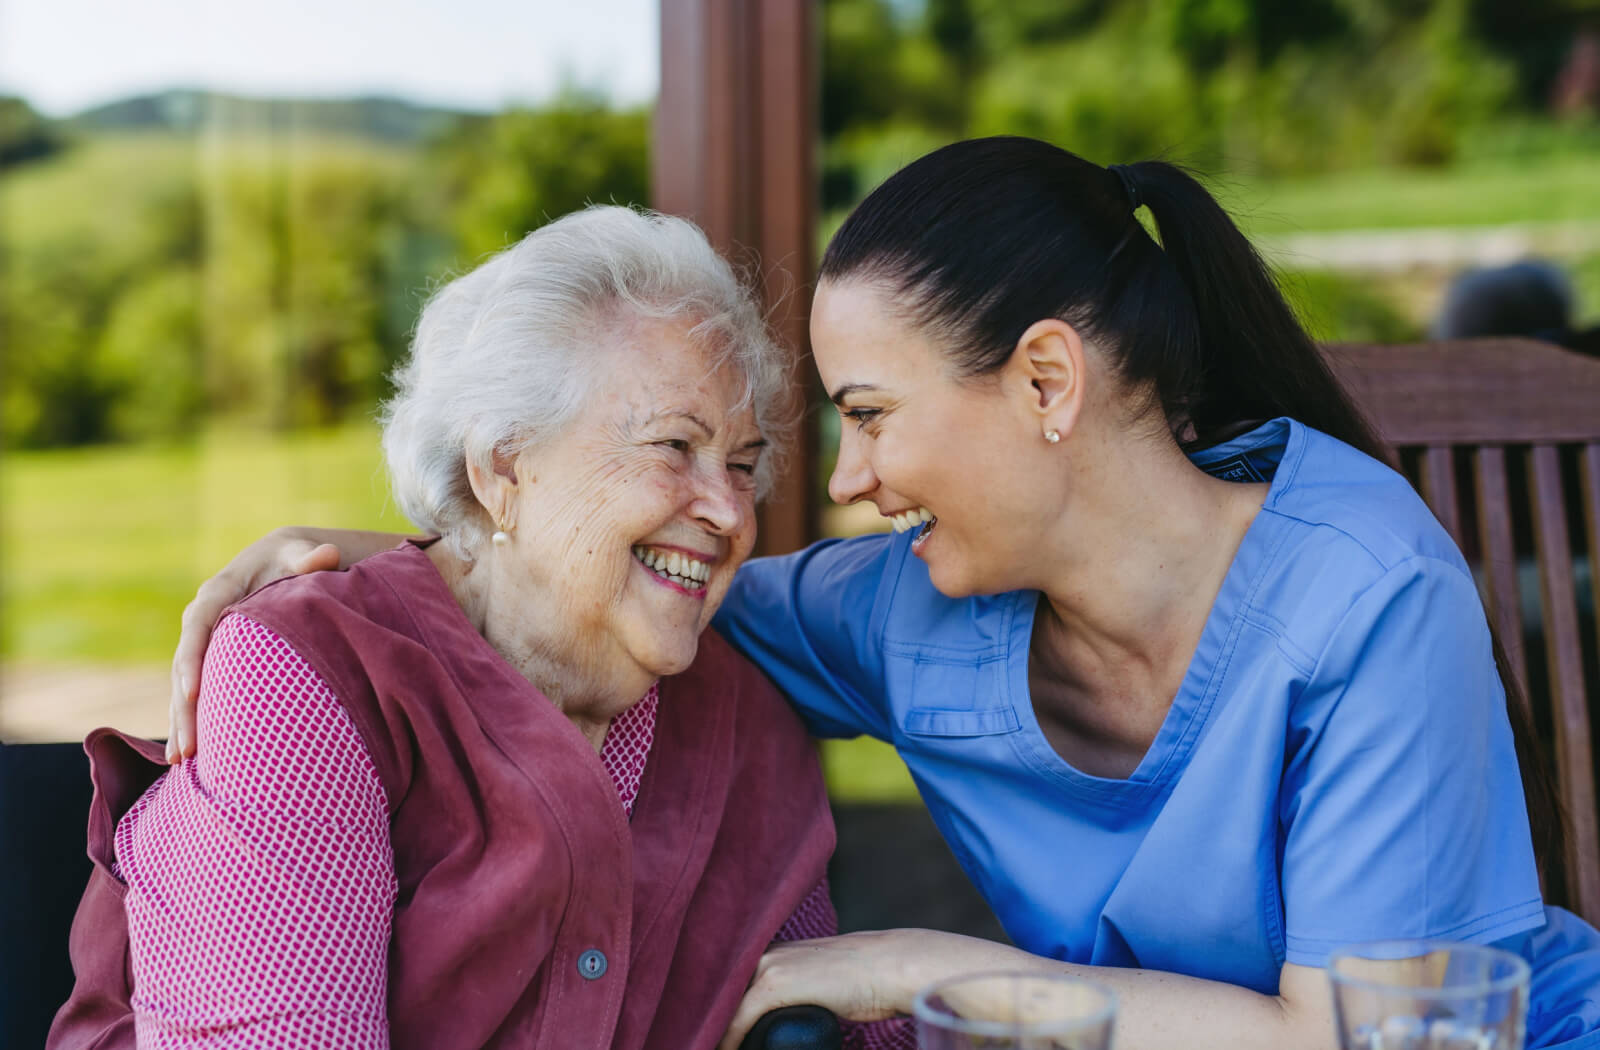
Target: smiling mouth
pixel 680 571
pixel 920 540
pixel 917 519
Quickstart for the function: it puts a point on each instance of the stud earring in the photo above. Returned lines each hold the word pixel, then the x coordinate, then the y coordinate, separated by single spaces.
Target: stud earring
pixel 1052 436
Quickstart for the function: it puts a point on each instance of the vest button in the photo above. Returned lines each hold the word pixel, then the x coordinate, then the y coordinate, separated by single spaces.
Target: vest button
pixel 592 964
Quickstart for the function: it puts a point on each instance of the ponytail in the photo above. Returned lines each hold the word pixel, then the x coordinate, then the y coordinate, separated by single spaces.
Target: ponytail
pixel 1258 362
pixel 980 239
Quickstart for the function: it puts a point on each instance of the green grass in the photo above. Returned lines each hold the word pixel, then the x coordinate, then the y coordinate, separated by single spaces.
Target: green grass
pixel 100 548
pixel 1555 189
pixel 866 770
pixel 1491 192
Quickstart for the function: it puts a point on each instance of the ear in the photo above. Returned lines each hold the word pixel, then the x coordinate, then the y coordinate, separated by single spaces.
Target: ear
pixel 495 486
pixel 1047 367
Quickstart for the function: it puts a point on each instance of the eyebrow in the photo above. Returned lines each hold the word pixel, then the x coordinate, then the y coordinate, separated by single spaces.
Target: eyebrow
pixel 690 416
pixel 838 396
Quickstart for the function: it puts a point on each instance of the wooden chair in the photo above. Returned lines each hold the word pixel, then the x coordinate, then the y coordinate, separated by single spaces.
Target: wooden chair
pixel 1502 438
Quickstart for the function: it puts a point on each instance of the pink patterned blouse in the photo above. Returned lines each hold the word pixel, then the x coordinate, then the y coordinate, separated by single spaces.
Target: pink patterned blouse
pixel 260 876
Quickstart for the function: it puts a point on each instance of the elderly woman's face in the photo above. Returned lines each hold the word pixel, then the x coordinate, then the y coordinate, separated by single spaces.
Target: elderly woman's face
pixel 634 518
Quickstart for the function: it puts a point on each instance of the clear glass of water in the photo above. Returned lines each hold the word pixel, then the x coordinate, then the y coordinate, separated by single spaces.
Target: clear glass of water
pixel 1014 1011
pixel 1428 995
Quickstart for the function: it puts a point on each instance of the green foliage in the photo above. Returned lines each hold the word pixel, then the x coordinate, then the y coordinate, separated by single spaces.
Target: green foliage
pixel 148 289
pixel 513 173
pixel 1341 308
pixel 1252 84
pixel 150 356
pixel 1081 92
pixel 858 36
pixel 270 275
pixel 24 134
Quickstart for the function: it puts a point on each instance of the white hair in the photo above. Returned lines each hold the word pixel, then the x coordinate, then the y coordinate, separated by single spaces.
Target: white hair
pixel 502 358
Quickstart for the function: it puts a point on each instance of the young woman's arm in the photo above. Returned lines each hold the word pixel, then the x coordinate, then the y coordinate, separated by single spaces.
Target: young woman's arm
pixel 866 976
pixel 281 552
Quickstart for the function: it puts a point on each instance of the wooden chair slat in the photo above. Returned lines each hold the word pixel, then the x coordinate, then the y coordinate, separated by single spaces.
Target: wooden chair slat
pixel 1439 488
pixel 1574 754
pixel 1474 391
pixel 1500 555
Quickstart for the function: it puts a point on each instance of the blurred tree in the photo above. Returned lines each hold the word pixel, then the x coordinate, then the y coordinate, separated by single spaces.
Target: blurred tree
pixel 298 258
pixel 859 41
pixel 53 305
pixel 1008 26
pixel 150 356
pixel 1252 84
pixel 1535 36
pixel 24 134
pixel 274 278
pixel 503 176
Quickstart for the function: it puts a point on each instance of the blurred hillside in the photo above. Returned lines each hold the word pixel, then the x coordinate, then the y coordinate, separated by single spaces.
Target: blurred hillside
pixel 191 111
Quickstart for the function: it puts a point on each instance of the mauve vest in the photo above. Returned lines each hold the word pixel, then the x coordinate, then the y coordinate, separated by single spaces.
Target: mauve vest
pixel 512 853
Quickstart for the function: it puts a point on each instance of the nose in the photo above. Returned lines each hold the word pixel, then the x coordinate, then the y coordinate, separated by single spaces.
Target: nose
pixel 852 476
pixel 718 504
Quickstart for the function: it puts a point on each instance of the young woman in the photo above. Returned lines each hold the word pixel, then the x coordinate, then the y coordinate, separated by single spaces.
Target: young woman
pixel 1196 687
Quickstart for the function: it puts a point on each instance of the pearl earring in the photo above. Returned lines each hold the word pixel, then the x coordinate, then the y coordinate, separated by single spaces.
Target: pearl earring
pixel 501 537
pixel 1052 436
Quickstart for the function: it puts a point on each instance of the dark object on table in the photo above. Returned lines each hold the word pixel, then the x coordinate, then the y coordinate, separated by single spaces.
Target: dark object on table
pixel 44 807
pixel 1531 298
pixel 795 1028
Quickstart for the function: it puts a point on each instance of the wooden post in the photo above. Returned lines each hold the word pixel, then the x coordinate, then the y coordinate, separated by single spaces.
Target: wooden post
pixel 734 151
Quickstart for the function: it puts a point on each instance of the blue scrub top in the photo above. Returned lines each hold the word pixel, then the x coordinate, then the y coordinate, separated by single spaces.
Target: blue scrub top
pixel 1337 764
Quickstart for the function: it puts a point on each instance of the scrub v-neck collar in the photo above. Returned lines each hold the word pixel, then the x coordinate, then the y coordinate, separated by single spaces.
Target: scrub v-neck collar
pixel 1200 688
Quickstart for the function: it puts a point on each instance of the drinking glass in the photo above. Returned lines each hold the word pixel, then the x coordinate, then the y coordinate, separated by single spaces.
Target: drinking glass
pixel 1428 995
pixel 1014 1011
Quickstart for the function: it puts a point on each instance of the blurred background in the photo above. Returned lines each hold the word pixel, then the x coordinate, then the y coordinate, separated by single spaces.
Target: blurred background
pixel 218 224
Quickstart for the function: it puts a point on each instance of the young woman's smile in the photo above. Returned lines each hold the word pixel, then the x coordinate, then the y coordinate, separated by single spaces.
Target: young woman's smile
pixel 929 450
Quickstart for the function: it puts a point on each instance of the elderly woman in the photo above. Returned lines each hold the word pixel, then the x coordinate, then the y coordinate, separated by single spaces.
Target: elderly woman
pixel 496 788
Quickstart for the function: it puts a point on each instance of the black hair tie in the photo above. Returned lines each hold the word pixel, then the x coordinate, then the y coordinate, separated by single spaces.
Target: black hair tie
pixel 1129 187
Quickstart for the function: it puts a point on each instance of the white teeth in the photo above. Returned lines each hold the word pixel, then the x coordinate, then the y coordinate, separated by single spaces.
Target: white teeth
pixel 910 519
pixel 680 567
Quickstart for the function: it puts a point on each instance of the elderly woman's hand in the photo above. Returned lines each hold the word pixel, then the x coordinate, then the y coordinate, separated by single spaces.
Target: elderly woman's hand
pixel 280 553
